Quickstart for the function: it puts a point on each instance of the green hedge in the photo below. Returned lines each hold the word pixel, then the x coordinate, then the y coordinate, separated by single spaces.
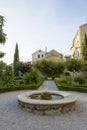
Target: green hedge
pixel 20 87
pixel 69 87
pixel 79 89
pixel 79 79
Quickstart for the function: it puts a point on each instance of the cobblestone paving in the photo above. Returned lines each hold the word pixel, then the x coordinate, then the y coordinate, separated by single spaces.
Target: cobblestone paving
pixel 14 118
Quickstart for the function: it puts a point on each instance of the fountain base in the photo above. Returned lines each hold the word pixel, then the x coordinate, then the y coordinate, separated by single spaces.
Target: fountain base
pixel 68 103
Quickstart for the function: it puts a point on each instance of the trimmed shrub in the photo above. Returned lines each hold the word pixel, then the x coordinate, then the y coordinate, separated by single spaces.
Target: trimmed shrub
pixel 79 79
pixel 20 87
pixel 71 87
pixel 62 80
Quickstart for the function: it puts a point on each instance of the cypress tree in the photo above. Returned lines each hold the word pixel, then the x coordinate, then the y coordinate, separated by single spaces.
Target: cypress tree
pixel 84 48
pixel 16 60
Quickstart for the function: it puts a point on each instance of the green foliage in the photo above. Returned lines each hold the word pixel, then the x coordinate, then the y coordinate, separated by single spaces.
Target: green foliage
pixel 2 34
pixel 19 87
pixel 16 60
pixel 16 54
pixel 84 48
pixel 78 89
pixel 2 69
pixel 19 80
pixel 23 67
pixel 1 83
pixel 10 83
pixel 32 77
pixel 2 54
pixel 79 79
pixel 50 68
pixel 74 65
pixel 62 80
pixel 7 75
pixel 62 84
pixel 66 80
pixel 66 74
pixel 84 66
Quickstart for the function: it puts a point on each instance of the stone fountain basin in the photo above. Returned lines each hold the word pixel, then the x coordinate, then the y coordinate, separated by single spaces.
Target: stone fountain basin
pixel 68 103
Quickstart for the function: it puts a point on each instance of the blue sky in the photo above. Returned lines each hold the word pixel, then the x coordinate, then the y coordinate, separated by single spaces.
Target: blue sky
pixel 36 24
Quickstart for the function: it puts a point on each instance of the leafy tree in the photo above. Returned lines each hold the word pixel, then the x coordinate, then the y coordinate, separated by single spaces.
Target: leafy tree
pixel 74 65
pixel 23 67
pixel 7 75
pixel 2 69
pixel 50 68
pixel 84 48
pixel 16 60
pixel 2 34
pixel 84 68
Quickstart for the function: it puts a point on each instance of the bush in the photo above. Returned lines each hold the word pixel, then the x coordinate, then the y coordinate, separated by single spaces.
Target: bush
pixel 65 79
pixel 62 80
pixel 66 73
pixel 18 79
pixel 32 77
pixel 79 79
pixel 1 83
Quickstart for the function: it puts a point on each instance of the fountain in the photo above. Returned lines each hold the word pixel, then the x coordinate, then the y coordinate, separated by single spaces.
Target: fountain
pixel 47 102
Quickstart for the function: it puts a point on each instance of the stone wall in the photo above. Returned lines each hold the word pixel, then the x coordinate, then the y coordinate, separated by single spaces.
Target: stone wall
pixel 77 40
pixel 48 109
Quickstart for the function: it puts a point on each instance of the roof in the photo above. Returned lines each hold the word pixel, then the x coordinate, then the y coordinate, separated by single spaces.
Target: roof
pixel 38 51
pixel 53 52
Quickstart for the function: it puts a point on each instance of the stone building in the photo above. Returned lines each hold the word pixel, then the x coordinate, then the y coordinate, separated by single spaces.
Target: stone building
pixel 38 55
pixel 54 55
pixel 77 41
pixel 51 55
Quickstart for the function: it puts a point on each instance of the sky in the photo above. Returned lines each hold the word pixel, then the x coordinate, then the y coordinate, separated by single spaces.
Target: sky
pixel 40 24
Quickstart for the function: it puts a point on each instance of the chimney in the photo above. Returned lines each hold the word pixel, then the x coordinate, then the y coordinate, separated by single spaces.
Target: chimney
pixel 45 50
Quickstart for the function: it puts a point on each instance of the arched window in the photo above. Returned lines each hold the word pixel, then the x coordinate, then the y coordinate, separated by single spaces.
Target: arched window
pixel 38 56
pixel 76 53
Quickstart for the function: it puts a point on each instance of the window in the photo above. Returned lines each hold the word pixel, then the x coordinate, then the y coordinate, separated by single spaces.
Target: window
pixel 38 55
pixel 42 55
pixel 76 53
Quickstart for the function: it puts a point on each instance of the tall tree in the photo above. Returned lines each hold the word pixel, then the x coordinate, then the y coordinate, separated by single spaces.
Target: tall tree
pixel 74 65
pixel 84 48
pixel 2 34
pixel 16 60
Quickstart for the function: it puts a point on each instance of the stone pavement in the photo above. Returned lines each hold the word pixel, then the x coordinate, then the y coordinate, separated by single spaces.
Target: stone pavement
pixel 14 118
pixel 48 85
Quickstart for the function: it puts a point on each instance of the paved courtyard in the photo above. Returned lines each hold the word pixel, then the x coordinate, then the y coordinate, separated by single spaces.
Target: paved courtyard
pixel 14 118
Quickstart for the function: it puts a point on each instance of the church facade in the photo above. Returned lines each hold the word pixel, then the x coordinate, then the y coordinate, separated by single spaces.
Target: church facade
pixel 77 41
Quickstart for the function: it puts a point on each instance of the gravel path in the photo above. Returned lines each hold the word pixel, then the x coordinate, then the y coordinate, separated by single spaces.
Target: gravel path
pixel 14 118
pixel 48 85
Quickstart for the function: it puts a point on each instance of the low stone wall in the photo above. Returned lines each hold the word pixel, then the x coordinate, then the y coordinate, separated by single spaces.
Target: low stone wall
pixel 48 109
pixel 47 106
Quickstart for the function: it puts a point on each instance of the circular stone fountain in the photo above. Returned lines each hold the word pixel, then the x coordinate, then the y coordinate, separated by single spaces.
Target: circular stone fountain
pixel 60 102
